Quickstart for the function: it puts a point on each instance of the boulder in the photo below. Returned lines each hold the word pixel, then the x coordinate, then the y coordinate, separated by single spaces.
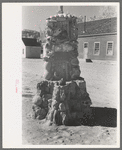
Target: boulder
pixel 37 100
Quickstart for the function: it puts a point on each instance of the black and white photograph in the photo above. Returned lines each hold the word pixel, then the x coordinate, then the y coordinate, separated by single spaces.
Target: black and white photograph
pixel 69 91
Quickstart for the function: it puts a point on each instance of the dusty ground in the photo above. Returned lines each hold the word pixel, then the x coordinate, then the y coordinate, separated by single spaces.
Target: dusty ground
pixel 101 80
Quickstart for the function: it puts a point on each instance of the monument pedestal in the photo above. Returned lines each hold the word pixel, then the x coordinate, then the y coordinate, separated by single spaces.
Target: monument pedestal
pixel 61 95
pixel 61 102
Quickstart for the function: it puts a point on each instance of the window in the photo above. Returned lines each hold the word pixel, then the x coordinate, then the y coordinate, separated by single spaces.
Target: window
pixel 86 45
pixel 22 51
pixel 96 48
pixel 109 50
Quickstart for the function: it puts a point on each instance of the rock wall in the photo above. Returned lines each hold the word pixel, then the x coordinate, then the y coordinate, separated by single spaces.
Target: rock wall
pixel 62 94
pixel 60 102
pixel 60 49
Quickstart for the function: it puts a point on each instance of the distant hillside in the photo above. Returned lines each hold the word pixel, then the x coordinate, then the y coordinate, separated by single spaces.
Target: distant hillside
pixel 30 34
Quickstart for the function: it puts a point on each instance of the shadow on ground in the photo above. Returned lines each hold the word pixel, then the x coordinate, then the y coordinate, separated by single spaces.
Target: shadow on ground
pixel 99 116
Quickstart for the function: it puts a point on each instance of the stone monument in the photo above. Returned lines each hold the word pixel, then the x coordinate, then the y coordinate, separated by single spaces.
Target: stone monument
pixel 61 95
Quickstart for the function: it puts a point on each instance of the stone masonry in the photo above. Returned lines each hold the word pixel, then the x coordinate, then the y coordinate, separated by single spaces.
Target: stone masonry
pixel 62 94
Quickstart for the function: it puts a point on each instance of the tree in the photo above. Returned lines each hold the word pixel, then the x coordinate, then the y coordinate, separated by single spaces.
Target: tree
pixel 92 18
pixel 107 12
pixel 42 35
pixel 80 19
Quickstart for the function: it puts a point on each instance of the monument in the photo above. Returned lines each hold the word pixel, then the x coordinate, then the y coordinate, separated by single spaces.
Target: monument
pixel 61 95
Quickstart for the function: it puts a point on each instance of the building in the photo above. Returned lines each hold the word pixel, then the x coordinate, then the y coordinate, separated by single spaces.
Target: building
pixel 98 39
pixel 26 33
pixel 31 48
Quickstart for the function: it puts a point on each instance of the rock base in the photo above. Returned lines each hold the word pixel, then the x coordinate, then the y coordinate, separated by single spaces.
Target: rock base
pixel 61 102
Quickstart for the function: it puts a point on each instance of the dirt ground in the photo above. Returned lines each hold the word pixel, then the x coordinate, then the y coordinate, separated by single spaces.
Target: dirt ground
pixel 101 82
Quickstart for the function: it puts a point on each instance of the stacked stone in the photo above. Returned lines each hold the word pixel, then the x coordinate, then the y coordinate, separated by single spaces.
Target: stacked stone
pixel 40 100
pixel 61 45
pixel 60 102
pixel 62 94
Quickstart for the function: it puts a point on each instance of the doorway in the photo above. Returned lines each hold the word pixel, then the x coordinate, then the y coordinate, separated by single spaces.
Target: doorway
pixel 85 50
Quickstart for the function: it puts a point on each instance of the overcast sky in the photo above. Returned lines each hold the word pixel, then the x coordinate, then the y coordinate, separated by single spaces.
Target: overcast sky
pixel 34 17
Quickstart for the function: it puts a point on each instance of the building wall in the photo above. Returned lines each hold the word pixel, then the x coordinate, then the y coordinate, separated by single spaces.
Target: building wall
pixel 23 50
pixel 32 52
pixel 103 46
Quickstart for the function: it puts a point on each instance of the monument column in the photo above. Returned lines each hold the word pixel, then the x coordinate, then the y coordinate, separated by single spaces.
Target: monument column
pixel 61 94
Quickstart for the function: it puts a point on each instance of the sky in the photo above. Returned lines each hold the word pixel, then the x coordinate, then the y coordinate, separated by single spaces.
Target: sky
pixel 34 17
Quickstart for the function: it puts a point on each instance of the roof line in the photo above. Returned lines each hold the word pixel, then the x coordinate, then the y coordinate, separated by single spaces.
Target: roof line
pixel 98 20
pixel 102 34
pixel 30 30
